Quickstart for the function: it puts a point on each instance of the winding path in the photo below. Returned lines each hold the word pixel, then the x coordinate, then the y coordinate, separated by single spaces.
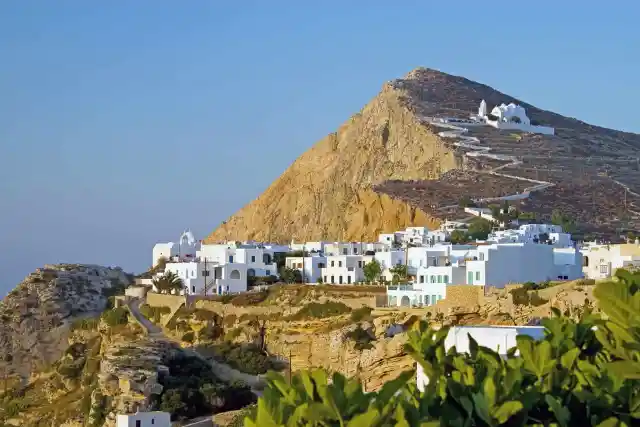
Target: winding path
pixel 225 372
pixel 473 143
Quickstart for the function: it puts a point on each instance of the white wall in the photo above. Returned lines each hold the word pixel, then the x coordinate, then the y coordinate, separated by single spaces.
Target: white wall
pixel 312 266
pixel 498 338
pixel 344 270
pixel 164 250
pixel 146 419
pixel 501 264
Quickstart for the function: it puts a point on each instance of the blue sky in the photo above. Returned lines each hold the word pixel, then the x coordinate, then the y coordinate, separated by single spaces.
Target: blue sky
pixel 122 123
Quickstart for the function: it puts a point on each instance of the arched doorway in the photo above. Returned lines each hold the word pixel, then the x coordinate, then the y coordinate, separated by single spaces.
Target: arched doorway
pixel 405 301
pixel 251 273
pixel 235 274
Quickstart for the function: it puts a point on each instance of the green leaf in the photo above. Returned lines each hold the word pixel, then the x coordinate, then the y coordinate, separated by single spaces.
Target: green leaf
pixel 612 422
pixel 364 420
pixel 507 410
pixel 562 413
pixel 627 369
pixel 489 389
pixel 568 359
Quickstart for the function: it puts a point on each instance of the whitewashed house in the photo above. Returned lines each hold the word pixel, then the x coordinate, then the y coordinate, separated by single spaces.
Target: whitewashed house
pixel 344 269
pixel 308 246
pixel 415 294
pixel 144 419
pixel 533 233
pixel 497 338
pixel 201 277
pixel 259 260
pixel 600 261
pixel 185 248
pixel 310 267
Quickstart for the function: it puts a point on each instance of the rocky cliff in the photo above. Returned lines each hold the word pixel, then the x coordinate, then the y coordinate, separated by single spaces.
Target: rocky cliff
pixel 36 315
pixel 327 192
pixel 387 168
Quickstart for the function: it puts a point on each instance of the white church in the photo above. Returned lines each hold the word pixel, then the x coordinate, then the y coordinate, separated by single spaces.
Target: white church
pixel 510 116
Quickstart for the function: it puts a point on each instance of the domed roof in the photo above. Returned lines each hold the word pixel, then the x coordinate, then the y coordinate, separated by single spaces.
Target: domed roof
pixel 188 237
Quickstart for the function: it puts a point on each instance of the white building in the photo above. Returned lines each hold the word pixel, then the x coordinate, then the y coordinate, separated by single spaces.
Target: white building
pixel 345 269
pixel 259 261
pixel 309 267
pixel 144 419
pixel 497 338
pixel 201 277
pixel 415 294
pixel 511 116
pixel 308 246
pixel 185 248
pixel 533 233
pixel 601 261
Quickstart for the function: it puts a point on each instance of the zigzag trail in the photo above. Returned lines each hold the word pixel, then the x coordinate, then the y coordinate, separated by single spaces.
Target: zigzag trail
pixel 471 143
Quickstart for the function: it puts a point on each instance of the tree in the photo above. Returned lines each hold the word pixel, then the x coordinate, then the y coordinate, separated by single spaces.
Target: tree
pixel 169 282
pixel 565 221
pixel 372 271
pixel 290 275
pixel 399 273
pixel 516 119
pixel 579 373
pixel 458 237
pixel 479 229
pixel 466 202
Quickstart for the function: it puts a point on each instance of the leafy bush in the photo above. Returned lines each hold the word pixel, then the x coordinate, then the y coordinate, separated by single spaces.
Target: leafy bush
pixel 191 390
pixel 245 358
pixel 116 316
pixel 315 310
pixel 361 314
pixel 579 373
pixel 521 296
pixel 233 334
pixel 154 313
pixel 86 324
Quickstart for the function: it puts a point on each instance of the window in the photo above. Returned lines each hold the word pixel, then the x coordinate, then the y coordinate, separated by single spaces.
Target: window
pixel 268 272
pixel 227 288
pixel 355 250
pixel 477 275
pixel 421 279
pixel 340 280
pixel 433 299
pixel 433 279
pixel 339 263
pixel 439 297
pixel 333 263
pixel 138 423
pixel 230 259
pixel 193 289
pixel 446 278
pixel 349 279
pixel 153 420
pixel 253 258
pixel 205 273
pixel 604 269
pixel 439 278
pixel 344 251
pixel 470 277
pixel 325 279
pixel 333 279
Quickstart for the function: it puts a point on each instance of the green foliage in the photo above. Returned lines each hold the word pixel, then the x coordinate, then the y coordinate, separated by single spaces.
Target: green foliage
pixel 372 271
pixel 245 358
pixel 116 316
pixel 458 237
pixel 316 310
pixel 290 275
pixel 362 313
pixel 579 374
pixel 85 324
pixel 398 273
pixel 169 282
pixel 479 229
pixel 522 296
pixel 191 390
pixel 466 202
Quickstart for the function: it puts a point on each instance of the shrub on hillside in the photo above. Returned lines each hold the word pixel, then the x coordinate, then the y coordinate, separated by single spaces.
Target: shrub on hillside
pixel 249 298
pixel 245 358
pixel 580 373
pixel 154 313
pixel 361 314
pixel 316 310
pixel 361 337
pixel 116 316
pixel 188 337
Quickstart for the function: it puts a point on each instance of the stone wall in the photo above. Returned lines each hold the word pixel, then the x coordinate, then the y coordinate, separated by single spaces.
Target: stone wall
pixel 462 296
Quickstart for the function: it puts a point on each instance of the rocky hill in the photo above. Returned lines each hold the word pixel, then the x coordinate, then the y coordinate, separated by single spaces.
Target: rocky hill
pixel 387 167
pixel 37 314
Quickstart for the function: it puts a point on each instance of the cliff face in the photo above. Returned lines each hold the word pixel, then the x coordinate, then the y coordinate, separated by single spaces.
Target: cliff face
pixel 326 193
pixel 386 168
pixel 36 315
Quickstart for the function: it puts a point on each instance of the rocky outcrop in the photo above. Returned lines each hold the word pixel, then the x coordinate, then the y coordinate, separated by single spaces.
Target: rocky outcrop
pixel 36 315
pixel 326 193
